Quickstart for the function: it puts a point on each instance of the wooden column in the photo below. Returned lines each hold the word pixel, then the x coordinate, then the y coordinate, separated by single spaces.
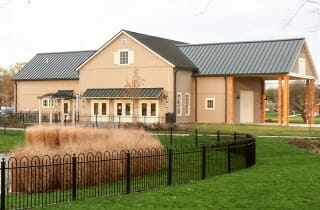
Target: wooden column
pixel 286 105
pixel 263 96
pixel 230 100
pixel 309 101
pixel 280 111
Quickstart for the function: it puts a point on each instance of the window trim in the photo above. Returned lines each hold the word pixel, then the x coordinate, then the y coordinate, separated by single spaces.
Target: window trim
pixel 179 98
pixel 213 103
pixel 187 105
pixel 128 54
pixel 50 103
pixel 148 102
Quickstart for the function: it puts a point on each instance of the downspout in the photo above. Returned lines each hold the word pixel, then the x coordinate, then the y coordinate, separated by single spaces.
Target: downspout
pixel 175 95
pixel 225 100
pixel 195 100
pixel 16 97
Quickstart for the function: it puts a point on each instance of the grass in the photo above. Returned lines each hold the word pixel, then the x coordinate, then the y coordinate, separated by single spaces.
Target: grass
pixel 273 117
pixel 278 181
pixel 10 140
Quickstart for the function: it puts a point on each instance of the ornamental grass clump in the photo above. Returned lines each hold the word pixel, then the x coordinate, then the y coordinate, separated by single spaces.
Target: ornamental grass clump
pixel 101 157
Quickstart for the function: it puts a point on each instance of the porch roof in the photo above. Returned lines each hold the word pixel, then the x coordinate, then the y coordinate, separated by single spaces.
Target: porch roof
pixel 65 94
pixel 123 93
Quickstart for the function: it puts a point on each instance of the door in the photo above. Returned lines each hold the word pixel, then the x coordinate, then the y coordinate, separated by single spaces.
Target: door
pixel 66 110
pixel 123 111
pixel 246 106
pixel 99 111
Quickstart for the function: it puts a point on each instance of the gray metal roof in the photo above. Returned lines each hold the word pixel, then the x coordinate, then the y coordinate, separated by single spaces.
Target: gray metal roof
pixel 50 66
pixel 166 48
pixel 123 93
pixel 66 94
pixel 235 58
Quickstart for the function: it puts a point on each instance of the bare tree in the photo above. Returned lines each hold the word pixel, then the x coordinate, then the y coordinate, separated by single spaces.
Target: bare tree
pixel 132 86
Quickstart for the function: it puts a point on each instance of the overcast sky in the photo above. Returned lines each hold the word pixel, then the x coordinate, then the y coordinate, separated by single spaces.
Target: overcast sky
pixel 33 26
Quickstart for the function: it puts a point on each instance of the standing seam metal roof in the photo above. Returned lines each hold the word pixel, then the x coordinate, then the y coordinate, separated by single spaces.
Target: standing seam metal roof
pixel 49 66
pixel 123 93
pixel 258 57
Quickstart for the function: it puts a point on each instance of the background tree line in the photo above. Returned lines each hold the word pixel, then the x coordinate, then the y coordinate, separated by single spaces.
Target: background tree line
pixel 297 97
pixel 7 84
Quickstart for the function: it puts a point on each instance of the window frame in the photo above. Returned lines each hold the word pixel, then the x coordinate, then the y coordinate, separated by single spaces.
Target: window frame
pixel 187 104
pixel 49 103
pixel 121 59
pixel 179 105
pixel 213 99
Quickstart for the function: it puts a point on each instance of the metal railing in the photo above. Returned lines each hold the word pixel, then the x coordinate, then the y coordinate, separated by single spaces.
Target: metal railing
pixel 28 182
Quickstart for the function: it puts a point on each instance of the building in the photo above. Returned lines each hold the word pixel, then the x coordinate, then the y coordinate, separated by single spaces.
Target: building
pixel 136 77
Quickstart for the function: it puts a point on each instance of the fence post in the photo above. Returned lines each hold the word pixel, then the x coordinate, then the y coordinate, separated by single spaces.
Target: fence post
pixel 229 158
pixel 170 167
pixel 218 136
pixel 247 152
pixel 171 136
pixel 128 172
pixel 3 184
pixel 204 164
pixel 5 128
pixel 74 177
pixel 235 137
pixel 65 120
pixel 196 135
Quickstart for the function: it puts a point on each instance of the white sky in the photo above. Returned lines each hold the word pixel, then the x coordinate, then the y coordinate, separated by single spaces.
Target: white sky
pixel 28 27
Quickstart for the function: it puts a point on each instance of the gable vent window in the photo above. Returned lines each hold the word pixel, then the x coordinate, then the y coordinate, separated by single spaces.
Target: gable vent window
pixel 124 41
pixel 124 57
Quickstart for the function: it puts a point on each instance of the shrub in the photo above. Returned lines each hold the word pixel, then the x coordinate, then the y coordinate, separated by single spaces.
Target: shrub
pixel 101 157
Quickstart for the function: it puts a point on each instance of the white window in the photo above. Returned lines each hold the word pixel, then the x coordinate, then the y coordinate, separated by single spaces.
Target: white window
pixel 179 104
pixel 123 57
pixel 210 103
pixel 187 104
pixel 302 66
pixel 46 103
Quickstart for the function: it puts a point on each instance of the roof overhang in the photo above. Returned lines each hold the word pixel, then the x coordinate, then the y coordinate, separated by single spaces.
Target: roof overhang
pixel 60 94
pixel 114 93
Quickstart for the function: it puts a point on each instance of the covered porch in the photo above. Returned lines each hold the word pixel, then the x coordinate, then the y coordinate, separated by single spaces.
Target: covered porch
pixel 60 107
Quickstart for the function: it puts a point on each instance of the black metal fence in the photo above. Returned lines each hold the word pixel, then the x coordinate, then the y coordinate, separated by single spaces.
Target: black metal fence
pixel 22 119
pixel 28 182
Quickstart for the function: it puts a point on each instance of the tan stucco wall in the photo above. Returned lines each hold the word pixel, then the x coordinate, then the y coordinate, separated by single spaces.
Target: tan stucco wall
pixel 184 85
pixel 309 71
pixel 28 91
pixel 248 84
pixel 211 87
pixel 101 72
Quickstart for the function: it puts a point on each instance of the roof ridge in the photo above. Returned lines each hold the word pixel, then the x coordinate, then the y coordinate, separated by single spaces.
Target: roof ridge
pixel 65 52
pixel 242 42
pixel 153 36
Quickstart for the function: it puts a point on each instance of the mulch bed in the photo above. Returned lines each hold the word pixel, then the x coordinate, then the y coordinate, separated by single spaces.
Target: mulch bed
pixel 311 145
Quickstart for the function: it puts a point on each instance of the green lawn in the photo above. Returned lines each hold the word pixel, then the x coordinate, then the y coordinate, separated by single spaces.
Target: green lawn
pixel 10 140
pixel 284 178
pixel 273 117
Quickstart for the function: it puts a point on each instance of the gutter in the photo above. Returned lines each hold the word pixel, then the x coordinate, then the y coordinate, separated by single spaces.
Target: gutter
pixel 225 100
pixel 16 96
pixel 195 100
pixel 175 94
